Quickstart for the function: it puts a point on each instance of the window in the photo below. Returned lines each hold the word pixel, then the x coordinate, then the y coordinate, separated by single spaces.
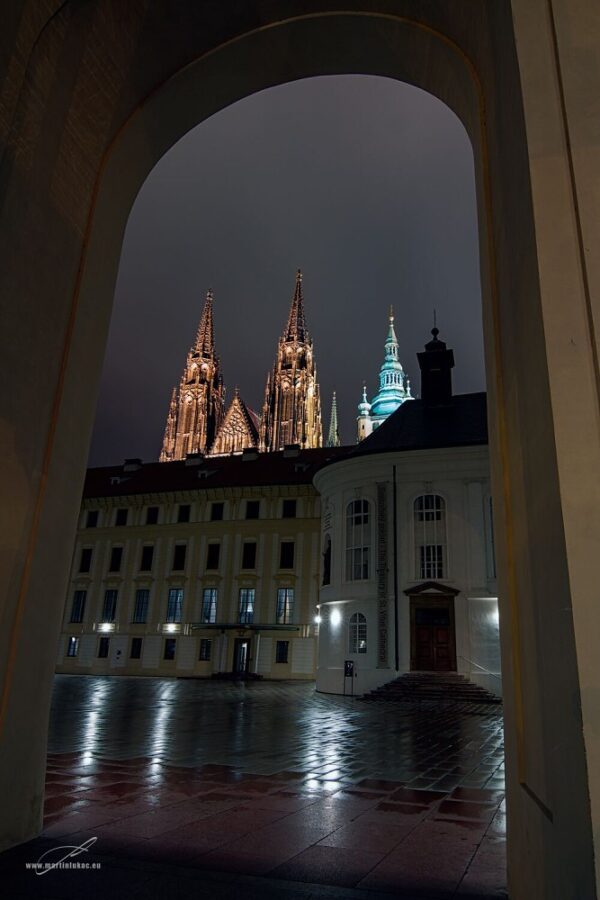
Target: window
pixel 109 608
pixel 92 519
pixel 135 651
pixel 216 512
pixel 357 628
pixel 73 646
pixel 152 515
pixel 78 607
pixel 212 556
pixel 289 509
pixel 116 557
pixel 286 555
pixel 85 560
pixel 430 536
pixel 209 606
pixel 327 561
pixel 252 509
pixel 183 513
pixel 179 557
pixel 246 606
pixel 205 648
pixel 285 606
pixel 121 517
pixel 281 651
pixel 147 558
pixel 103 646
pixel 140 610
pixel 357 540
pixel 175 605
pixel 249 555
pixel 170 644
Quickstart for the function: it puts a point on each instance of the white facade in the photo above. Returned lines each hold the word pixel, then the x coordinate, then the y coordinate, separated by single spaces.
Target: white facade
pixel 395 584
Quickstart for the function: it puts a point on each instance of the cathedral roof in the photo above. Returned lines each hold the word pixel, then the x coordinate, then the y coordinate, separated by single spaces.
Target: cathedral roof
pixel 296 326
pixel 417 426
pixel 262 470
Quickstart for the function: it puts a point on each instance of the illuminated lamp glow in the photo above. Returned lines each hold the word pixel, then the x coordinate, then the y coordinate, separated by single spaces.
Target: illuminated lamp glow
pixel 335 617
pixel 105 626
pixel 170 627
pixel 318 620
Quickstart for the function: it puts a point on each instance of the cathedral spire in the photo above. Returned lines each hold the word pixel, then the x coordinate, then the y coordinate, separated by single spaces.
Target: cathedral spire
pixel 205 340
pixel 296 326
pixel 333 438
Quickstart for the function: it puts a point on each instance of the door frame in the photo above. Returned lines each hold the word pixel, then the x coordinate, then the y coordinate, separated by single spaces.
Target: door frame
pixel 236 644
pixel 431 595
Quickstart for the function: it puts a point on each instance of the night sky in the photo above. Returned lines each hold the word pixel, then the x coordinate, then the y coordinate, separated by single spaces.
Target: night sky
pixel 364 183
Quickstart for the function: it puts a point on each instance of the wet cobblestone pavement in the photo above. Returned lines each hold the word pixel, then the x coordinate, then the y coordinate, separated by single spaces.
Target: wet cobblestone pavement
pixel 211 789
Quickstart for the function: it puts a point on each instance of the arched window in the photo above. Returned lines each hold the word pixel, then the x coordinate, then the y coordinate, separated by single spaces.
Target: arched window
pixel 358 544
pixel 430 536
pixel 357 634
pixel 327 560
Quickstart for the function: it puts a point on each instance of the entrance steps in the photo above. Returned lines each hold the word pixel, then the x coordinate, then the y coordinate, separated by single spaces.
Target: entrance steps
pixel 441 687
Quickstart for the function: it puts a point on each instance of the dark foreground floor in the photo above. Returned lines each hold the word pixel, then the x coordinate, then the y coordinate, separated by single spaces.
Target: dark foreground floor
pixel 200 789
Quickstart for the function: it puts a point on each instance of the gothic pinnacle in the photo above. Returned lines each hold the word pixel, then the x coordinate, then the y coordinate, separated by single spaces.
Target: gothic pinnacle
pixel 205 342
pixel 296 326
pixel 333 438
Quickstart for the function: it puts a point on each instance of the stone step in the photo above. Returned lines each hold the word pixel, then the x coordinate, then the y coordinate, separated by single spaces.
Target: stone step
pixel 446 687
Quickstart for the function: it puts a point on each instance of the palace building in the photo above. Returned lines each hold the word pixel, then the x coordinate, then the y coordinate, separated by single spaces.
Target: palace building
pixel 197 421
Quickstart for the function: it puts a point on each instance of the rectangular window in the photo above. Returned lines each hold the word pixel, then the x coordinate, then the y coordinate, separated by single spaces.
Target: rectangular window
pixel 140 610
pixel 432 561
pixel 216 512
pixel 246 606
pixel 252 509
pixel 289 509
pixel 357 540
pixel 78 607
pixel 205 648
pixel 103 647
pixel 212 556
pixel 281 651
pixel 285 606
pixel 109 609
pixel 73 646
pixel 85 560
pixel 121 517
pixel 116 557
pixel 136 648
pixel 179 557
pixel 147 558
pixel 183 513
pixel 286 555
pixel 249 555
pixel 92 519
pixel 152 515
pixel 175 605
pixel 209 606
pixel 170 644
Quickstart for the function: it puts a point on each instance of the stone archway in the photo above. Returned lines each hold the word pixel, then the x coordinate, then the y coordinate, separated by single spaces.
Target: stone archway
pixel 92 96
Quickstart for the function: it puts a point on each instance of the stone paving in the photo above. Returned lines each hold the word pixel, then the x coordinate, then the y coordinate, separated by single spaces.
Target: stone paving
pixel 207 789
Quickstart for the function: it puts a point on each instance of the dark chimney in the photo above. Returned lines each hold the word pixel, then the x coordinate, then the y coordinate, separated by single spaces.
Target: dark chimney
pixel 436 365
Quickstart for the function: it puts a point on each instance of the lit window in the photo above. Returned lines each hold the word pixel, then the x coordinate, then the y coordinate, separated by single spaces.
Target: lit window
pixel 174 605
pixel 285 606
pixel 357 634
pixel 430 536
pixel 246 606
pixel 209 606
pixel 357 540
pixel 73 646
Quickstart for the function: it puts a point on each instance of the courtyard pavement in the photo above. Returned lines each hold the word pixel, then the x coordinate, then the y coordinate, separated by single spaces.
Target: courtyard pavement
pixel 184 788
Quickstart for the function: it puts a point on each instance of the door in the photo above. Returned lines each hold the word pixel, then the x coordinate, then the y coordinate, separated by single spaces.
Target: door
pixel 432 636
pixel 241 655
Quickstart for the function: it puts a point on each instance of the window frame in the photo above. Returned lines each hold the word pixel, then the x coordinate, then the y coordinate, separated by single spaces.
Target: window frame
pixel 282 648
pixel 289 508
pixel 357 625
pixel 213 600
pixel 121 513
pixel 136 615
pixel 217 511
pixel 206 645
pixel 284 609
pixel 249 548
pixel 77 596
pixel 174 612
pixel 430 536
pixel 116 558
pixel 152 514
pixel 180 549
pixel 103 645
pixel 73 645
pixel 255 506
pixel 287 542
pixel 246 601
pixel 145 549
pixel 170 644
pixel 358 553
pixel 109 613
pixel 86 553
pixel 138 643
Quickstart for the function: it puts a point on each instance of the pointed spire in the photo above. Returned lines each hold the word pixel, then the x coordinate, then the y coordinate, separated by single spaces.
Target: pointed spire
pixel 205 341
pixel 333 439
pixel 296 326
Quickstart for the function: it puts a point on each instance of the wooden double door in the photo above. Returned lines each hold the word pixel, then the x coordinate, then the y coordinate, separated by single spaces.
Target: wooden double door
pixel 433 642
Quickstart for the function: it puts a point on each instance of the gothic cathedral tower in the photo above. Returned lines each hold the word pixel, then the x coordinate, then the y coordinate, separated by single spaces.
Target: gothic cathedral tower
pixel 292 408
pixel 197 409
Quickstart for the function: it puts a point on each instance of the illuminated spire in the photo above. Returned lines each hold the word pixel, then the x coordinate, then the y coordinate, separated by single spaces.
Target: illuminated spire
pixel 296 326
pixel 333 439
pixel 205 341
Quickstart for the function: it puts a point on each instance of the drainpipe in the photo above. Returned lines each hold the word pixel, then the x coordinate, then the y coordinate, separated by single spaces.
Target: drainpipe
pixel 395 520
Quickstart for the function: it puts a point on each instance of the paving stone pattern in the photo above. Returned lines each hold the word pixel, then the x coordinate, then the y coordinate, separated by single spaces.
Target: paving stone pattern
pixel 205 789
